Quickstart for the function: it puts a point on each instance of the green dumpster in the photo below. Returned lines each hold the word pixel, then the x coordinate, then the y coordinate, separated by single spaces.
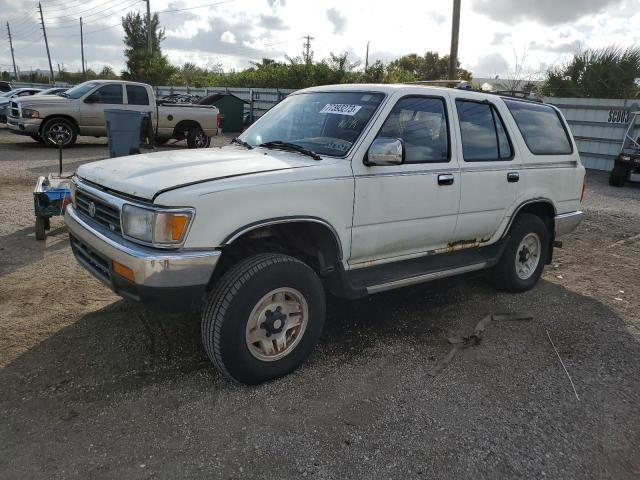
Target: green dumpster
pixel 231 110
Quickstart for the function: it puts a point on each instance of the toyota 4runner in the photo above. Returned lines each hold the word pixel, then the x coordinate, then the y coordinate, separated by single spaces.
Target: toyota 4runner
pixel 350 189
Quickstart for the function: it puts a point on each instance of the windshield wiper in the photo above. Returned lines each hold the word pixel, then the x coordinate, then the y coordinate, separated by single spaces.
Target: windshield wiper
pixel 294 147
pixel 241 142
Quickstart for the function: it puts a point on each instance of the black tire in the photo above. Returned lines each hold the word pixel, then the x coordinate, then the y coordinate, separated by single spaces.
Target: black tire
pixel 618 176
pixel 41 232
pixel 196 138
pixel 229 306
pixel 504 275
pixel 59 128
pixel 37 138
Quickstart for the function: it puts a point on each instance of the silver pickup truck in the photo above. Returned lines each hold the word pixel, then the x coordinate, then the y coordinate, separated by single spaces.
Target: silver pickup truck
pixel 80 111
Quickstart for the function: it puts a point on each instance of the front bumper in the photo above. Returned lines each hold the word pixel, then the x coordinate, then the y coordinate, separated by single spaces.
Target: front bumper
pixel 567 222
pixel 164 278
pixel 22 126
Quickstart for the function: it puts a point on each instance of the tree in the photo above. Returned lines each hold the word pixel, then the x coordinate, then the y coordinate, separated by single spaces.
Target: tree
pixel 430 66
pixel 106 73
pixel 602 73
pixel 144 65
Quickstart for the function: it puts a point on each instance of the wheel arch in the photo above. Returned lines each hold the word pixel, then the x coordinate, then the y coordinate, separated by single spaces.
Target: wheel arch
pixel 58 115
pixel 185 125
pixel 310 239
pixel 542 207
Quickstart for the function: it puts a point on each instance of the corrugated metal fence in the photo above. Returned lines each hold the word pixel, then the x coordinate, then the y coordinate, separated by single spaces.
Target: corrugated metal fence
pixel 598 125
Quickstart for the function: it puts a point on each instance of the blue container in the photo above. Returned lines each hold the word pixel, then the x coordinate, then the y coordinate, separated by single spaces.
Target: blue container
pixel 123 131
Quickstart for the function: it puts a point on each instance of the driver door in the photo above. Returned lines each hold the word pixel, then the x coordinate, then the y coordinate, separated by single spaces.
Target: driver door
pixel 92 109
pixel 407 210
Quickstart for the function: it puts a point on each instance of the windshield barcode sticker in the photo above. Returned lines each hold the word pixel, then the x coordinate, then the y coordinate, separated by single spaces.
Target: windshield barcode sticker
pixel 341 109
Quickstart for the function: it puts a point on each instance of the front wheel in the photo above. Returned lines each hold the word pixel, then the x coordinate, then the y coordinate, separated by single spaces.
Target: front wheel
pixel 196 138
pixel 59 131
pixel 263 318
pixel 524 257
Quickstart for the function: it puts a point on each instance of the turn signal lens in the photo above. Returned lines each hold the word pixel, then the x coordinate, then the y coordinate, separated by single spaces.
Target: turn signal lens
pixel 170 227
pixel 584 188
pixel 123 271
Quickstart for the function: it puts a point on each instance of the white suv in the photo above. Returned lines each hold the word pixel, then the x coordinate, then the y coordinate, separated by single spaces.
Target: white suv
pixel 349 189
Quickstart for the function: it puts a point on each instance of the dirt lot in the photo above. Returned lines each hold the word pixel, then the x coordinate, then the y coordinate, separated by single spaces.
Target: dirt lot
pixel 94 387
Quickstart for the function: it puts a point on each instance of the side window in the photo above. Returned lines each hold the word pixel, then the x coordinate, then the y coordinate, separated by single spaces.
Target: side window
pixel 110 94
pixel 137 95
pixel 484 137
pixel 421 123
pixel 541 128
pixel 26 93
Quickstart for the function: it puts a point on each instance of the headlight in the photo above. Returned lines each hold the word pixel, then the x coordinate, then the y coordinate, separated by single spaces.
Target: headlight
pixel 155 226
pixel 30 113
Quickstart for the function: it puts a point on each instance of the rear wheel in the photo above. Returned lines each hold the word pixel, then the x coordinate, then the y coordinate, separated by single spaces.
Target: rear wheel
pixel 196 138
pixel 524 257
pixel 57 130
pixel 263 318
pixel 618 176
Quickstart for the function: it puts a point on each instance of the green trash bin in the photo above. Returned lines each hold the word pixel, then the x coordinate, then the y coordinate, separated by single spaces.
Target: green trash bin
pixel 123 131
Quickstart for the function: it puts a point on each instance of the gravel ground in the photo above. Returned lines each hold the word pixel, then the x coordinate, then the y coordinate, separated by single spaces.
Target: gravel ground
pixel 95 387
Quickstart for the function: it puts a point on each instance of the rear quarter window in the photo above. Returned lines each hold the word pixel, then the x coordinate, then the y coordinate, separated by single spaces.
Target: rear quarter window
pixel 541 128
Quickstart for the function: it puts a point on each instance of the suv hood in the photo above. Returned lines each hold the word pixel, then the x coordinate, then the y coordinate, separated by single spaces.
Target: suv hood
pixel 147 175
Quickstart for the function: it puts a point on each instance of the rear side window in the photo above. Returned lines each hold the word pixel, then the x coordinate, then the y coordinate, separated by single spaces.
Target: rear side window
pixel 484 137
pixel 541 128
pixel 137 95
pixel 421 123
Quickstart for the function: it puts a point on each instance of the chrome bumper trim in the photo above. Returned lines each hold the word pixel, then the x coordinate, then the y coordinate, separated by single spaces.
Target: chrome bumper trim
pixel 151 268
pixel 567 222
pixel 20 126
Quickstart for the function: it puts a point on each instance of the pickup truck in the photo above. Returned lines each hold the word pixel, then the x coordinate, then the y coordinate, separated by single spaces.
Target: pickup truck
pixel 349 189
pixel 80 111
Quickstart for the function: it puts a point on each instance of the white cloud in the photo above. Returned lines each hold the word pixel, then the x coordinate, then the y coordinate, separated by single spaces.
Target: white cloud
pixel 228 37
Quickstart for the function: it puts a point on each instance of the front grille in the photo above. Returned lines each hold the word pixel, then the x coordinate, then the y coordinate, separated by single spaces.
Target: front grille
pixel 105 214
pixel 15 111
pixel 98 265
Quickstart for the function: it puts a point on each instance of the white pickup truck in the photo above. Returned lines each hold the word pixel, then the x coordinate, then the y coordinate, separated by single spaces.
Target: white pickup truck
pixel 80 111
pixel 350 189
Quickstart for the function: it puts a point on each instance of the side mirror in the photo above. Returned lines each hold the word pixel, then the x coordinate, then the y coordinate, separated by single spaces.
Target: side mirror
pixel 385 151
pixel 93 98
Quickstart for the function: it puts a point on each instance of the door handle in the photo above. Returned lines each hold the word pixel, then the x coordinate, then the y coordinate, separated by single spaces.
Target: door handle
pixel 513 177
pixel 445 179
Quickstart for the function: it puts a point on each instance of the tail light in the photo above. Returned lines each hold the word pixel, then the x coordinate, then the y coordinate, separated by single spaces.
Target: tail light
pixel 584 188
pixel 218 120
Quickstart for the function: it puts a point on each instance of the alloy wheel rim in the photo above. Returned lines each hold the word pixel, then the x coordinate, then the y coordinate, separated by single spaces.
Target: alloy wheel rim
pixel 59 131
pixel 201 140
pixel 528 256
pixel 277 324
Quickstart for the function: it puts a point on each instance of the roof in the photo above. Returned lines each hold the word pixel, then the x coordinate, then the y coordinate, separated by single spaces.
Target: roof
pixel 214 97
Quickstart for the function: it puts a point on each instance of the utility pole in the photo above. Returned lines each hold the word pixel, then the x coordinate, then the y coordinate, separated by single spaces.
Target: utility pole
pixel 455 31
pixel 84 73
pixel 46 42
pixel 149 45
pixel 13 58
pixel 366 61
pixel 306 52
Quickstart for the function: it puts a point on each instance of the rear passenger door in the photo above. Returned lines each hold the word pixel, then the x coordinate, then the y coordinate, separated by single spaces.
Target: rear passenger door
pixel 138 100
pixel 406 210
pixel 489 168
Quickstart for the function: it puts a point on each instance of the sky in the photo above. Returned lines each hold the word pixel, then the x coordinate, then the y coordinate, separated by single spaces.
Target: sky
pixel 497 37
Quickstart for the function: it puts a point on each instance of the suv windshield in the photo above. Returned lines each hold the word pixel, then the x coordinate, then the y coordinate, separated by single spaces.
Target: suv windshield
pixel 327 123
pixel 78 91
